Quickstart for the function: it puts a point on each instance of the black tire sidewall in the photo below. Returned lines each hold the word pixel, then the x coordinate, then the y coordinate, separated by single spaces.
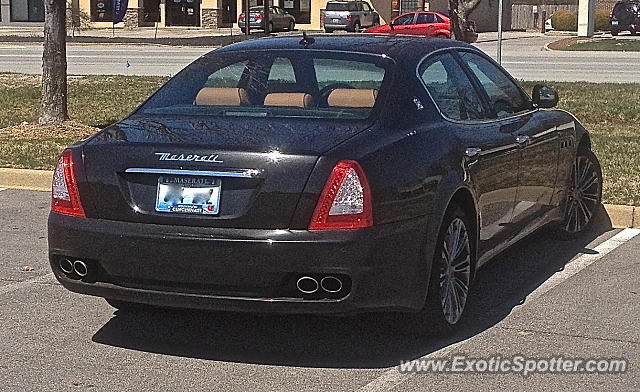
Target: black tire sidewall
pixel 433 304
pixel 562 233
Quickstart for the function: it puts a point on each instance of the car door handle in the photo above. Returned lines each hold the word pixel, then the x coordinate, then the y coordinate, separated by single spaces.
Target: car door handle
pixel 522 139
pixel 472 152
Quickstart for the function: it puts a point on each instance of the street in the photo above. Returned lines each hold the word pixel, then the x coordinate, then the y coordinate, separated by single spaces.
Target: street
pixel 542 298
pixel 523 56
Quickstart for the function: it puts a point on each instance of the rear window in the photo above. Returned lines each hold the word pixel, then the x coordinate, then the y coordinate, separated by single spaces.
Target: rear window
pixel 284 84
pixel 337 7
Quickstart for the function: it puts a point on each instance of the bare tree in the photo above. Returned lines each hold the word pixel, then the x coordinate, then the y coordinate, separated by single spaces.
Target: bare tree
pixel 54 64
pixel 459 11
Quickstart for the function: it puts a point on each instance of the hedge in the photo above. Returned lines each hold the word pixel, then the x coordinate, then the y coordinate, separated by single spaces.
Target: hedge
pixel 564 20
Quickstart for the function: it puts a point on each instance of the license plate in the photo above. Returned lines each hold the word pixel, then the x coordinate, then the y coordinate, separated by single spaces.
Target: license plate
pixel 188 195
pixel 614 23
pixel 335 20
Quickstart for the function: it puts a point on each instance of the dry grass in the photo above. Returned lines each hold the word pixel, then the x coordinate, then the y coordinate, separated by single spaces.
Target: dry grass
pixel 611 112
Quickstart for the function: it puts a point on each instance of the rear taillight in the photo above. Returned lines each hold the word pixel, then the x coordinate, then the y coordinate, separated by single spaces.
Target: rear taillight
pixel 241 16
pixel 345 201
pixel 259 16
pixel 65 198
pixel 349 18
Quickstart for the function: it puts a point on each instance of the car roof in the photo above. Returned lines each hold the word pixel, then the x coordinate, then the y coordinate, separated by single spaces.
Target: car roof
pixel 394 46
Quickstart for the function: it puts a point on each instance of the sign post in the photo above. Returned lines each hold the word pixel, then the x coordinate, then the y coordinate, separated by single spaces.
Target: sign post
pixel 499 56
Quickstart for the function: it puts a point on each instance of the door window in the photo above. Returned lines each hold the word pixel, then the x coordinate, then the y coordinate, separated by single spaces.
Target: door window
pixel 505 97
pixel 404 20
pixel 450 88
pixel 366 7
pixel 426 18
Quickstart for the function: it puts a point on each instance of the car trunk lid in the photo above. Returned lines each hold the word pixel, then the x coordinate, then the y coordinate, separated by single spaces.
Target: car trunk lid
pixel 260 166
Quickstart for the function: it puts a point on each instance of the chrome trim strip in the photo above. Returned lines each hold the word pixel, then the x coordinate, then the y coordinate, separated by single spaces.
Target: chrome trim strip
pixel 543 133
pixel 512 146
pixel 237 173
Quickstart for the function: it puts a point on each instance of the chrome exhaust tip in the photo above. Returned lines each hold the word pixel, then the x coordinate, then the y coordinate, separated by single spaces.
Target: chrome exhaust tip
pixel 65 265
pixel 307 285
pixel 81 268
pixel 331 284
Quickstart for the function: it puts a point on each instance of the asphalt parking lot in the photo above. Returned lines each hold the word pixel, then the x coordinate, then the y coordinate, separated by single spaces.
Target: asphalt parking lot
pixel 542 298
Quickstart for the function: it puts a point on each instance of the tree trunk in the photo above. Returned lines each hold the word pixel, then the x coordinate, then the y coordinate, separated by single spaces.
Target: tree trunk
pixel 54 64
pixel 459 11
pixel 457 32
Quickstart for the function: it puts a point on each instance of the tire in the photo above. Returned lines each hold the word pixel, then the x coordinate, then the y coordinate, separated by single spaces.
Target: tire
pixel 584 195
pixel 356 27
pixel 614 32
pixel 269 28
pixel 292 26
pixel 451 272
pixel 633 32
pixel 442 36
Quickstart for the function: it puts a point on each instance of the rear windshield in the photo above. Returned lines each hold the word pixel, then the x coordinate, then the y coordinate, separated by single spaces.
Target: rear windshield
pixel 298 83
pixel 338 7
pixel 621 8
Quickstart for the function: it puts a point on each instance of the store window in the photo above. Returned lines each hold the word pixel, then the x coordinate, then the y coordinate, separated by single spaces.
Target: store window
pixel 101 11
pixel 27 10
pixel 300 9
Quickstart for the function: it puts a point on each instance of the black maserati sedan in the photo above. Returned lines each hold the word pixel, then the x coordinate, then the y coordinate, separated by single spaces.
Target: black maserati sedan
pixel 328 174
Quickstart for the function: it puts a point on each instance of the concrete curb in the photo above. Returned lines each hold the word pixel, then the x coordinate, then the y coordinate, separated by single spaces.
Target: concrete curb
pixel 40 180
pixel 35 180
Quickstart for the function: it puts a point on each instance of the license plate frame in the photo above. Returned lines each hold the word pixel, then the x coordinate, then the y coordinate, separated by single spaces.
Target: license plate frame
pixel 188 195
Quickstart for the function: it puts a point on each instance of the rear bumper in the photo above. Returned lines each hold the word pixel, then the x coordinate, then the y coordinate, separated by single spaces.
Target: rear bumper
pixel 254 25
pixel 332 26
pixel 383 267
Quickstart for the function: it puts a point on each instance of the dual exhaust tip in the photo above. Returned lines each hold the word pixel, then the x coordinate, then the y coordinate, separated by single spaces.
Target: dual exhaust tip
pixel 78 267
pixel 309 285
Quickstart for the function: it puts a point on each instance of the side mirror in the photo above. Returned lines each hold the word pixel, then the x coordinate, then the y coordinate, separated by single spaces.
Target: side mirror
pixel 544 96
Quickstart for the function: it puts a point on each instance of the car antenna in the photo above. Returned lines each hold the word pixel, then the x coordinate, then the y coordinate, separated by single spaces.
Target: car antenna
pixel 306 41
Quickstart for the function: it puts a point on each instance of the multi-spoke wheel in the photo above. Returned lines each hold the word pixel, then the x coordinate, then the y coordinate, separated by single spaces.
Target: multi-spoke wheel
pixel 584 194
pixel 451 271
pixel 454 270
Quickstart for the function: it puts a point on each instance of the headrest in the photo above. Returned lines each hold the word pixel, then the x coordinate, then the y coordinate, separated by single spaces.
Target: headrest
pixel 224 96
pixel 352 98
pixel 301 100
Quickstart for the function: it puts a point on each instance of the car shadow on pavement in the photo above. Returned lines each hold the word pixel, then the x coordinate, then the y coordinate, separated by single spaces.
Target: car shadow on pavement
pixel 372 340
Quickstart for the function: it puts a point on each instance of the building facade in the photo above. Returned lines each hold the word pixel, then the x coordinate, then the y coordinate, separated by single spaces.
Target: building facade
pixel 211 14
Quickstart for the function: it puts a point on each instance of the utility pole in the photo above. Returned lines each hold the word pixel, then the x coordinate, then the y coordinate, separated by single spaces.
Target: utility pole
pixel 499 57
pixel 586 17
pixel 247 28
pixel 265 16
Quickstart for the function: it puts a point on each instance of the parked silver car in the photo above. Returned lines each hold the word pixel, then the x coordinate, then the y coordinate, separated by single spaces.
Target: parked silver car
pixel 279 19
pixel 349 15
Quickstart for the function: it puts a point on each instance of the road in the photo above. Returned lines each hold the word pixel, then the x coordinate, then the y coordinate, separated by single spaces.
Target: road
pixel 541 298
pixel 524 57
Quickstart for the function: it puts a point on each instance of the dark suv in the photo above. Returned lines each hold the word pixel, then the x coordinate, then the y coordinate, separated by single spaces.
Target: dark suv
pixel 625 16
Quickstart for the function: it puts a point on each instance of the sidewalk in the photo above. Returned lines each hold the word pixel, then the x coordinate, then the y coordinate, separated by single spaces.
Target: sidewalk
pixel 182 36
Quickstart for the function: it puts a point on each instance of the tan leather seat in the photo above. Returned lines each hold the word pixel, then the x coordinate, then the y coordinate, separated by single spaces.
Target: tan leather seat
pixel 222 96
pixel 301 100
pixel 352 98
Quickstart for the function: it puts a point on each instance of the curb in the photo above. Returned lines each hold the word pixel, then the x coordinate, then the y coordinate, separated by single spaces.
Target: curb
pixel 621 216
pixel 34 180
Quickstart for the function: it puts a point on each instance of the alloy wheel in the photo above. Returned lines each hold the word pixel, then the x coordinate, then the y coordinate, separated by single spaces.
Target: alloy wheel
pixel 455 270
pixel 584 195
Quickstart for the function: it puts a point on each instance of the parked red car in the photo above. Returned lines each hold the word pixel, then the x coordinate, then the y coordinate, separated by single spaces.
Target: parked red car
pixel 431 24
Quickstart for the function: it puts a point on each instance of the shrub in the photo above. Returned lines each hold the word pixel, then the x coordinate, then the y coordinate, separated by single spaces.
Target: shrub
pixel 602 21
pixel 564 20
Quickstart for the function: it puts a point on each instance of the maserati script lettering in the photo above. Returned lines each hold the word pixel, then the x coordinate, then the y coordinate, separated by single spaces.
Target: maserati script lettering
pixel 167 156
